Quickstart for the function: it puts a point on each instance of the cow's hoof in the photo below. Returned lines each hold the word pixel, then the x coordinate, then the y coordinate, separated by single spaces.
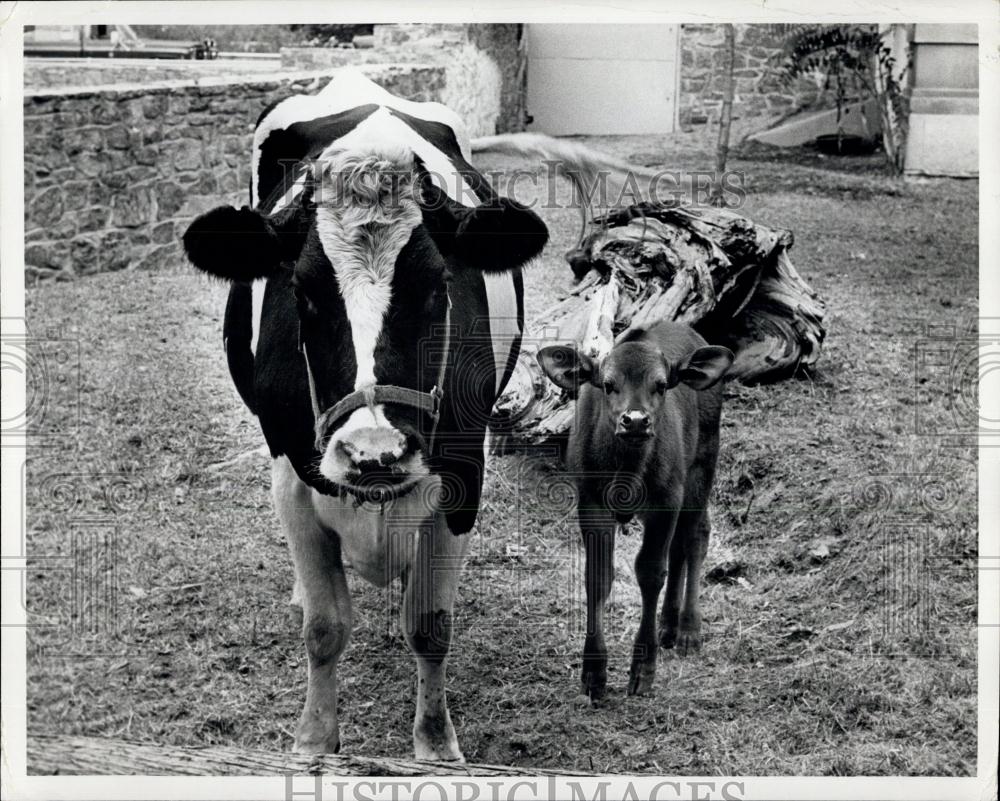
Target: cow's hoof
pixel 688 643
pixel 312 737
pixel 641 677
pixel 327 746
pixel 434 739
pixel 668 638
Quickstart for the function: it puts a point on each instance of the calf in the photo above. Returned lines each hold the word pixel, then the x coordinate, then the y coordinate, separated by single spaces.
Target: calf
pixel 644 443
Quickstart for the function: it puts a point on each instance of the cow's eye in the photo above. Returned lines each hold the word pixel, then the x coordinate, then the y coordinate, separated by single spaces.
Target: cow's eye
pixel 609 387
pixel 660 387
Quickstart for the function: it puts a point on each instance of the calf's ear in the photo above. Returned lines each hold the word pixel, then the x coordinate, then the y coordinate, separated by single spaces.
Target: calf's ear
pixel 566 366
pixel 499 236
pixel 233 244
pixel 703 368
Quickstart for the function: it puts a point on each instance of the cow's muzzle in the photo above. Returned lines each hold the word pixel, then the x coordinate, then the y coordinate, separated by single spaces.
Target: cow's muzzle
pixel 375 463
pixel 333 418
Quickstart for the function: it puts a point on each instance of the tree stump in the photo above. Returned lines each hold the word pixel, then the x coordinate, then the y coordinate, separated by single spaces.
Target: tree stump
pixel 729 278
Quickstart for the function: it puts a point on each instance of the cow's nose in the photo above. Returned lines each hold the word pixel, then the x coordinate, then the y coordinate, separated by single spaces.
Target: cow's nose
pixel 371 449
pixel 634 422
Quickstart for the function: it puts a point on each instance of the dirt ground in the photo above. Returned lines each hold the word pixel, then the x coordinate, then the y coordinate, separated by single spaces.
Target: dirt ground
pixel 840 596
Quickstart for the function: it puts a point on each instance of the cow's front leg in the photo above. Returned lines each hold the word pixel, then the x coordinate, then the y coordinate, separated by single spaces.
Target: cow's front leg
pixel 426 618
pixel 326 608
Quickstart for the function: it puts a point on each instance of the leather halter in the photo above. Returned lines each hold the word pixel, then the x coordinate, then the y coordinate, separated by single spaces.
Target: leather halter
pixel 427 402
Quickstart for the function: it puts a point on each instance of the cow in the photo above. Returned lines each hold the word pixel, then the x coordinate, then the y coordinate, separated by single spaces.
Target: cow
pixel 374 315
pixel 644 443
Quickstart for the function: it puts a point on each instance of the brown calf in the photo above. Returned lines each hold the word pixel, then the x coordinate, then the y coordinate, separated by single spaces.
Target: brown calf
pixel 644 443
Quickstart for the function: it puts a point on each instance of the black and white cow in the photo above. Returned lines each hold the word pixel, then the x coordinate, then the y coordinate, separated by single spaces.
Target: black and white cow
pixel 374 316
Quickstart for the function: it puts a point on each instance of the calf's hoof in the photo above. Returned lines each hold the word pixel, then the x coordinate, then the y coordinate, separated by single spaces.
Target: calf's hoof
pixel 641 677
pixel 668 638
pixel 594 682
pixel 688 643
pixel 434 739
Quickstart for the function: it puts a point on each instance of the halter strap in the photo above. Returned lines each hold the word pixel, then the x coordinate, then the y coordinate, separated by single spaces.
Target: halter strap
pixel 427 402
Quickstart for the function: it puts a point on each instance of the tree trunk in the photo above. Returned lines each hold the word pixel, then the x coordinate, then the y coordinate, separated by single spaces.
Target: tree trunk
pixel 65 755
pixel 725 115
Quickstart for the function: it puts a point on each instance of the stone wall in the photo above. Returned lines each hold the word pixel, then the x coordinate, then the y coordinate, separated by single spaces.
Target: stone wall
pixel 41 73
pixel 484 66
pixel 113 176
pixel 760 92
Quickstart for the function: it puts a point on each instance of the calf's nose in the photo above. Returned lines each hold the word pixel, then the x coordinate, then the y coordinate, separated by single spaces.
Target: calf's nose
pixel 634 421
pixel 374 448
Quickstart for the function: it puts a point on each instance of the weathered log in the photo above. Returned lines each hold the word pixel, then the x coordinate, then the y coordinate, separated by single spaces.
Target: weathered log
pixel 709 267
pixel 66 755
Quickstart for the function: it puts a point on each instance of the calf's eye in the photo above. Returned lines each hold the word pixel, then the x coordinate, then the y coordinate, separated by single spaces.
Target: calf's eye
pixel 609 387
pixel 661 387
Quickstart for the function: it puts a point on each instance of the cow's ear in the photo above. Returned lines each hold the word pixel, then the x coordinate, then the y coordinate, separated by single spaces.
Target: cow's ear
pixel 234 244
pixel 567 367
pixel 499 236
pixel 703 368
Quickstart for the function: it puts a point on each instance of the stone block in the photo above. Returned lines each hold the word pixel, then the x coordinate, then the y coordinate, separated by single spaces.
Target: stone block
pixel 164 233
pixel 105 112
pixel 133 207
pixel 74 195
pixel 154 106
pixel 79 140
pixel 159 257
pixel 170 198
pixel 115 250
pixel 114 178
pixel 205 185
pixel 92 165
pixel 84 254
pixel 120 137
pixel 185 154
pixel 48 255
pixel 95 218
pixel 146 155
pixel 150 135
pixel 45 209
pixel 760 36
pixel 227 183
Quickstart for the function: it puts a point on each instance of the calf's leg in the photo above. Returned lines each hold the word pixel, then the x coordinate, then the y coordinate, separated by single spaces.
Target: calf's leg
pixel 695 547
pixel 673 598
pixel 326 607
pixel 428 603
pixel 598 530
pixel 649 572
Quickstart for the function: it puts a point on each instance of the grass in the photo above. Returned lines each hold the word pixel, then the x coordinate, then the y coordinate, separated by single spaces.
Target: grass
pixel 840 601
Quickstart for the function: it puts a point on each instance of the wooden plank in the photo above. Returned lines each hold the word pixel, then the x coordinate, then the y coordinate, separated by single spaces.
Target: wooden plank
pixel 86 756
